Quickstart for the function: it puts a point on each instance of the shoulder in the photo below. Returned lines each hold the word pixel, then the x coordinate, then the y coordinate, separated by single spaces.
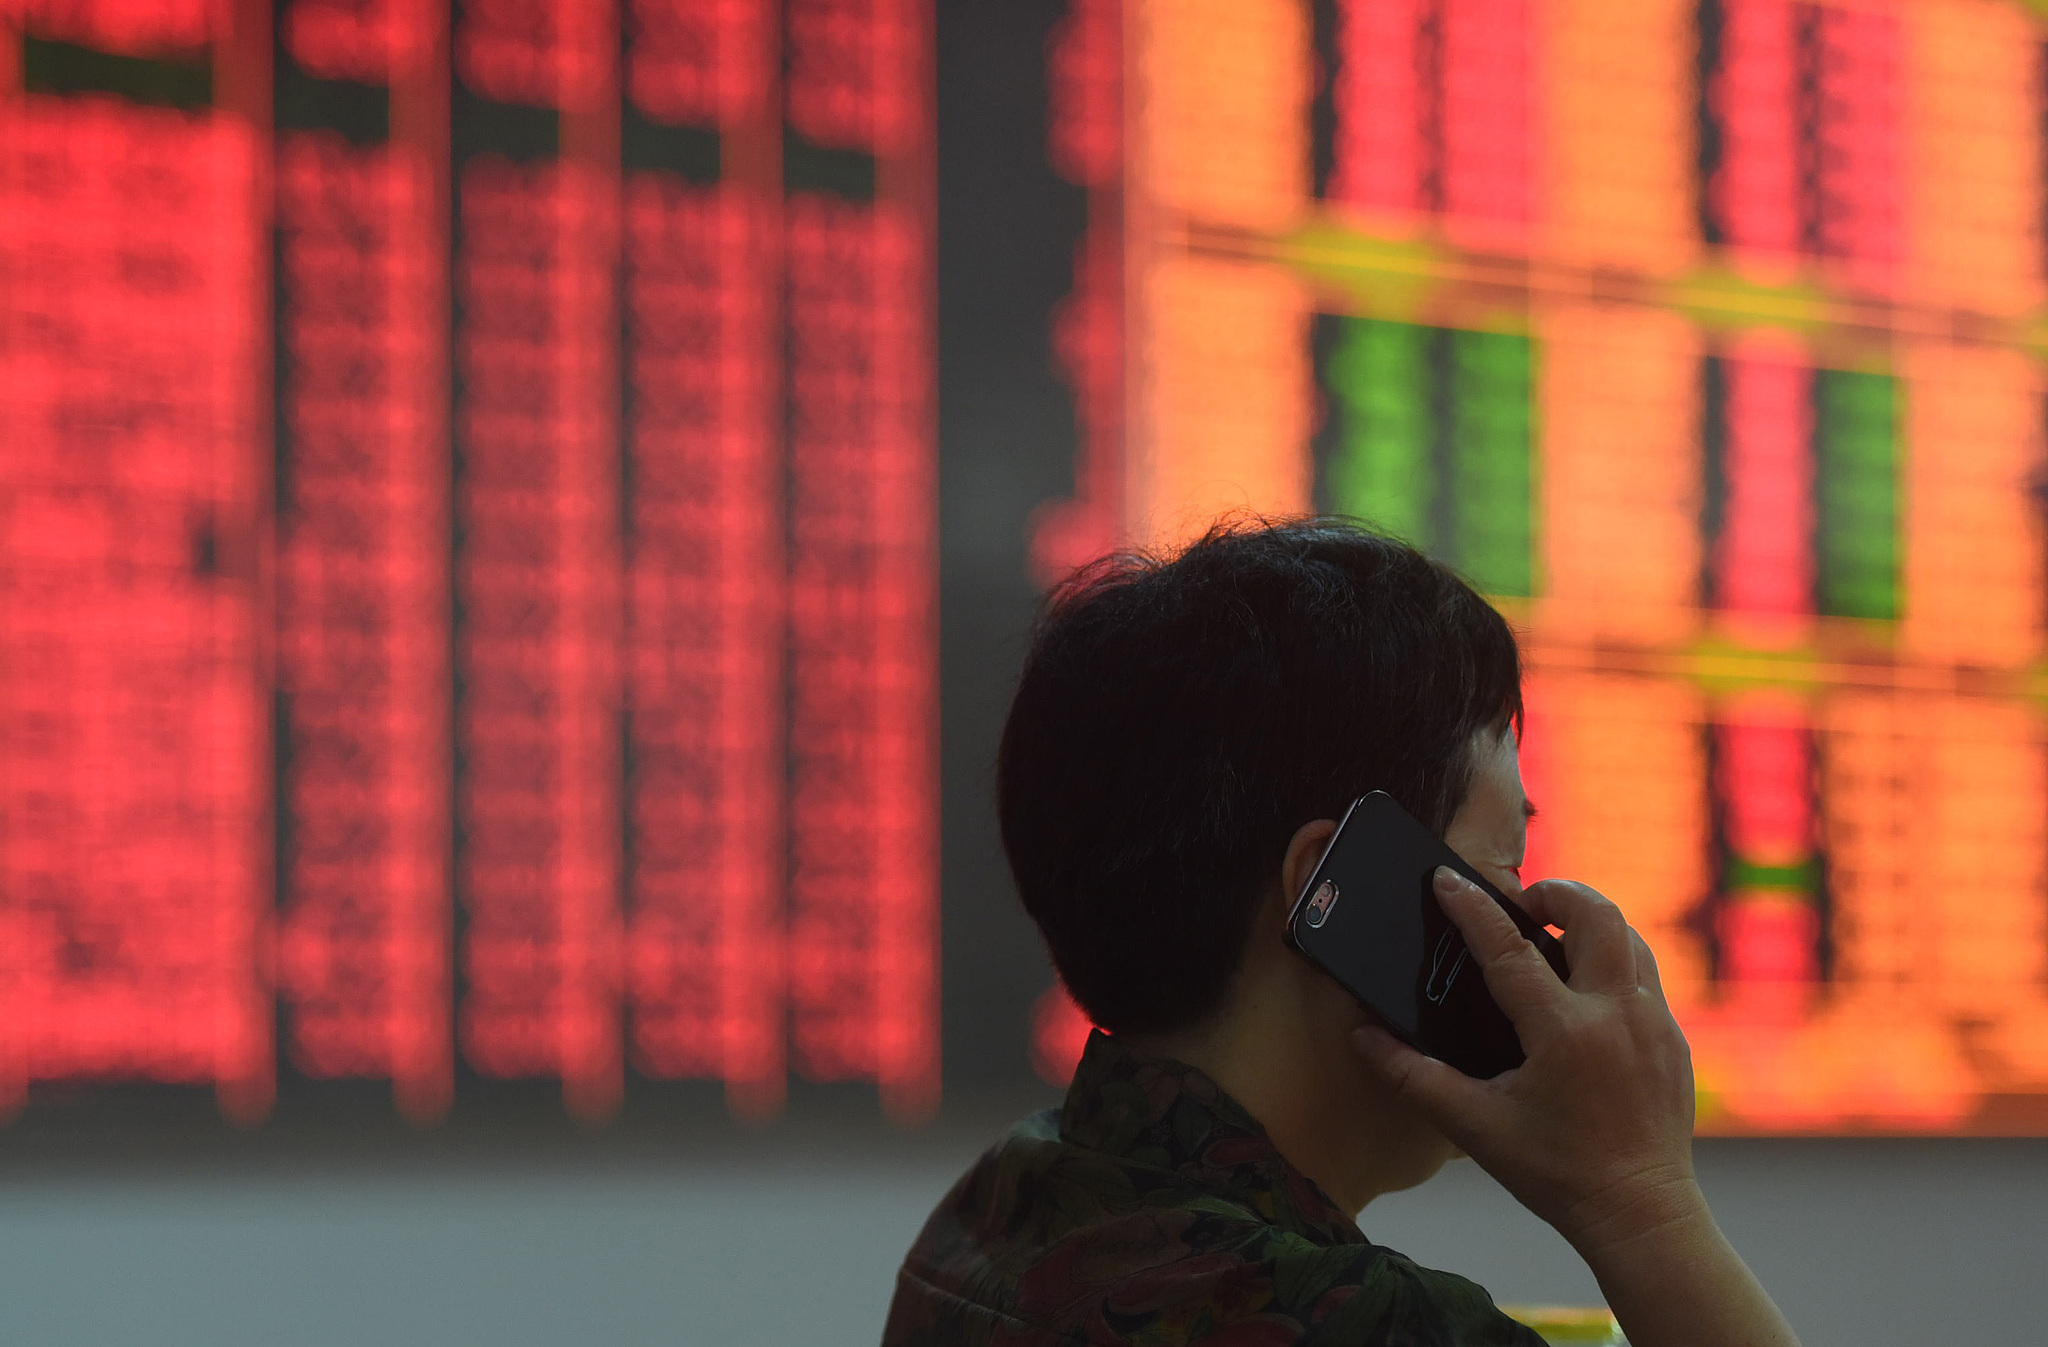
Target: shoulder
pixel 1042 1242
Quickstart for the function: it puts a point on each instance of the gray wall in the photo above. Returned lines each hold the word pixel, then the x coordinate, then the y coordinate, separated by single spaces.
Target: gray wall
pixel 791 1239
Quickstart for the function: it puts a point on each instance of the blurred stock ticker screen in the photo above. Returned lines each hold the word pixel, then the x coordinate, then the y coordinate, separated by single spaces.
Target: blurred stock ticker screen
pixel 469 560
pixel 1706 337
pixel 467 589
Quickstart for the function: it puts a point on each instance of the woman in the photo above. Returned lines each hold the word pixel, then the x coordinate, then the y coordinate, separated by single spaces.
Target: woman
pixel 1184 733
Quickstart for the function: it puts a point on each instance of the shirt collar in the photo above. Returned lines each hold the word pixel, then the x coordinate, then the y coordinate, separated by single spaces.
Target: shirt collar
pixel 1168 1115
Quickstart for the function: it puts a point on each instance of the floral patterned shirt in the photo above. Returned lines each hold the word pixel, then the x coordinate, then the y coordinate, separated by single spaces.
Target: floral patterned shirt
pixel 1153 1211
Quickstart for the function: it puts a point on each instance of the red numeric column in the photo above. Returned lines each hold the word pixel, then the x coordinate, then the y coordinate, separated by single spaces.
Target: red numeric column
pixel 1858 144
pixel 134 885
pixel 1485 111
pixel 1434 116
pixel 863 897
pixel 363 603
pixel 539 719
pixel 705 565
pixel 1762 566
pixel 1762 562
pixel 1385 97
pixel 1753 92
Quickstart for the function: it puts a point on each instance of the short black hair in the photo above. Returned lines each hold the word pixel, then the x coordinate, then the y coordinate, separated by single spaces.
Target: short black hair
pixel 1179 717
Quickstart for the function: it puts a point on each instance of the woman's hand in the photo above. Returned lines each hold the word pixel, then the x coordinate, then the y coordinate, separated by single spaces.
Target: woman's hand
pixel 1593 1132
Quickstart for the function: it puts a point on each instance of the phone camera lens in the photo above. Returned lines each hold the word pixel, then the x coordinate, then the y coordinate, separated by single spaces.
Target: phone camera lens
pixel 1320 902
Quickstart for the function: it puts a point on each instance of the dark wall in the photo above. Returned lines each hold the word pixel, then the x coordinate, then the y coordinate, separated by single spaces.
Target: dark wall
pixel 1007 230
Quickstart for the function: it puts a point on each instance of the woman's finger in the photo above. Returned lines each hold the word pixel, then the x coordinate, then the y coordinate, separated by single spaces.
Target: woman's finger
pixel 1647 975
pixel 1596 936
pixel 1520 978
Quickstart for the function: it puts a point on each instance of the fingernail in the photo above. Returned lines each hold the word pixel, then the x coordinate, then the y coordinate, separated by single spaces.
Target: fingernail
pixel 1449 881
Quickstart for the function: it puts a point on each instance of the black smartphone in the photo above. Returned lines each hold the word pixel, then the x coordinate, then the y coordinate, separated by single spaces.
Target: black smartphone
pixel 1370 919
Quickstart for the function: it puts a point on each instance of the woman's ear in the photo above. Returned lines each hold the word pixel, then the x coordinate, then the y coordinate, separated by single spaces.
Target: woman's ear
pixel 1304 852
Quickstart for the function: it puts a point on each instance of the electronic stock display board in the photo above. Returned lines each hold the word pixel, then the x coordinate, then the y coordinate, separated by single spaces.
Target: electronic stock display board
pixel 466 547
pixel 466 480
pixel 1706 337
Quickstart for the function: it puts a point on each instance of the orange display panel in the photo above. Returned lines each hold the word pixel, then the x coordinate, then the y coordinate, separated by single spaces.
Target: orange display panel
pixel 1703 335
pixel 1220 379
pixel 463 621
